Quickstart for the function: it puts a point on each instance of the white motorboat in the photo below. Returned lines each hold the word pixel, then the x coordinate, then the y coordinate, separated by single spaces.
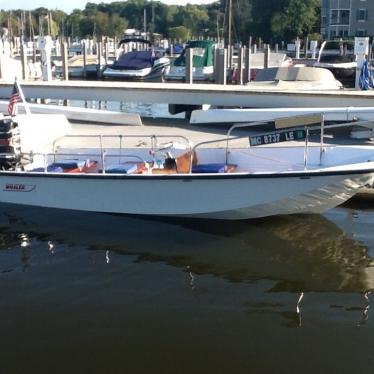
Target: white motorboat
pixel 135 64
pixel 176 179
pixel 235 115
pixel 301 78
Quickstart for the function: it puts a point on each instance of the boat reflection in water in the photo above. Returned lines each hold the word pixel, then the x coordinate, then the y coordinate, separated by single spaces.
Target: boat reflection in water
pixel 294 254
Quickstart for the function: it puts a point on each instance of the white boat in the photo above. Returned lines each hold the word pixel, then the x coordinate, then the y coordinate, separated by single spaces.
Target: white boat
pixel 79 114
pixel 178 180
pixel 300 78
pixel 235 115
pixel 137 64
pixel 276 60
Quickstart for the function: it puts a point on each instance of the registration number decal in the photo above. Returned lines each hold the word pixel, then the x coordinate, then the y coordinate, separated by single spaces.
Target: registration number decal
pixel 277 137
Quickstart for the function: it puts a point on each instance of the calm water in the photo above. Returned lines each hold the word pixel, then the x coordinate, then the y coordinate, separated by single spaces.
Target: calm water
pixel 98 293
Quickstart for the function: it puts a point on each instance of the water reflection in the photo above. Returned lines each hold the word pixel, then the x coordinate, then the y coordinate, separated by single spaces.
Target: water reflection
pixel 299 253
pixel 50 247
pixel 365 313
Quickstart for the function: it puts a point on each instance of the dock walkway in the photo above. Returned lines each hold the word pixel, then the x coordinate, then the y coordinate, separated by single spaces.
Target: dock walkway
pixel 191 94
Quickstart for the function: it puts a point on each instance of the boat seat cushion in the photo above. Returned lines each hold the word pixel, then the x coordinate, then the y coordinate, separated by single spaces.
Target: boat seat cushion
pixel 73 167
pixel 126 168
pixel 213 168
pixel 69 167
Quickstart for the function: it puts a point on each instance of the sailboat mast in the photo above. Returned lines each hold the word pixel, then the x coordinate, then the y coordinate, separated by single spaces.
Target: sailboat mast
pixel 145 23
pixel 230 22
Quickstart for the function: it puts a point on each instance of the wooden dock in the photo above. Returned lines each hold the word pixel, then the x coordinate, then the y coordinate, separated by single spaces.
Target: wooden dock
pixel 191 94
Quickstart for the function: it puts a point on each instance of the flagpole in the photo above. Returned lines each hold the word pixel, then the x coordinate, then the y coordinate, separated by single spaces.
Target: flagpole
pixel 22 96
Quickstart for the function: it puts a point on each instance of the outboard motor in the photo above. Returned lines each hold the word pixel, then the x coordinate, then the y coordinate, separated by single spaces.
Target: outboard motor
pixel 10 144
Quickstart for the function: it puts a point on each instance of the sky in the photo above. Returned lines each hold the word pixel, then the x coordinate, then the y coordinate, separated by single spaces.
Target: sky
pixel 68 5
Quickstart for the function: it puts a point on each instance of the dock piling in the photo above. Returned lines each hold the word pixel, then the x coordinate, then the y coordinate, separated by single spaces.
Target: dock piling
pixel 189 65
pixel 65 67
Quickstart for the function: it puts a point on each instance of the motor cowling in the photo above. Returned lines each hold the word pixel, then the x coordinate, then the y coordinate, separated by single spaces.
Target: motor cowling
pixel 10 144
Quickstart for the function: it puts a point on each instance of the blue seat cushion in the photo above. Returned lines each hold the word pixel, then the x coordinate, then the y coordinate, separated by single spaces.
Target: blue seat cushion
pixel 209 168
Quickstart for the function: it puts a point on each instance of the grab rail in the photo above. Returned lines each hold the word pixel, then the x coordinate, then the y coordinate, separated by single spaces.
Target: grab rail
pixel 103 156
pixel 294 124
pixel 155 146
pixel 153 138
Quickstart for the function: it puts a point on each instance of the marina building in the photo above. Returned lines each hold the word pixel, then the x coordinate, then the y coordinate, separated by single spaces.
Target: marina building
pixel 347 18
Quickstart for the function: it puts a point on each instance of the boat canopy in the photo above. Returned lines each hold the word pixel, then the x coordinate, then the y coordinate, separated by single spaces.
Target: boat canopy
pixel 135 60
pixel 203 53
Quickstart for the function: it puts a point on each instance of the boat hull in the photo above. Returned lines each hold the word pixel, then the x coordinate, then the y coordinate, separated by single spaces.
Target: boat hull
pixel 226 196
pixel 156 71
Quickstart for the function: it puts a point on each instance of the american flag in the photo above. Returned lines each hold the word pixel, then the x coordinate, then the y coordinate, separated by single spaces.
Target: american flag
pixel 14 99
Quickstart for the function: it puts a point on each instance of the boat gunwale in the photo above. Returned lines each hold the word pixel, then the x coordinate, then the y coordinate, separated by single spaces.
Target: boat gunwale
pixel 183 176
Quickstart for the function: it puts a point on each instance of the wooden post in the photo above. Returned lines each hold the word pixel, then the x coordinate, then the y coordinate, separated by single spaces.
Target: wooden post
pixel 2 75
pixel 34 52
pixel 247 71
pixel 297 46
pixel 84 59
pixel 65 66
pixel 106 51
pixel 276 48
pixel 240 65
pixel 266 56
pixel 99 56
pixel 171 53
pixel 189 65
pixel 306 42
pixel 221 73
pixel 25 74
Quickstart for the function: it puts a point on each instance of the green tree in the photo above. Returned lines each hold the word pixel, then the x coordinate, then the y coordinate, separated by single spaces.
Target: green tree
pixel 195 18
pixel 179 33
pixel 297 20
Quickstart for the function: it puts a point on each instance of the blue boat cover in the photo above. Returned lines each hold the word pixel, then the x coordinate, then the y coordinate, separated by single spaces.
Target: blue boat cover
pixel 135 60
pixel 122 169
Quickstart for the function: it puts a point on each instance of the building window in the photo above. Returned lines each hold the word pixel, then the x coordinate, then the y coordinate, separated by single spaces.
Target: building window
pixel 334 17
pixel 344 17
pixel 343 33
pixel 362 14
pixel 339 17
pixel 360 32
